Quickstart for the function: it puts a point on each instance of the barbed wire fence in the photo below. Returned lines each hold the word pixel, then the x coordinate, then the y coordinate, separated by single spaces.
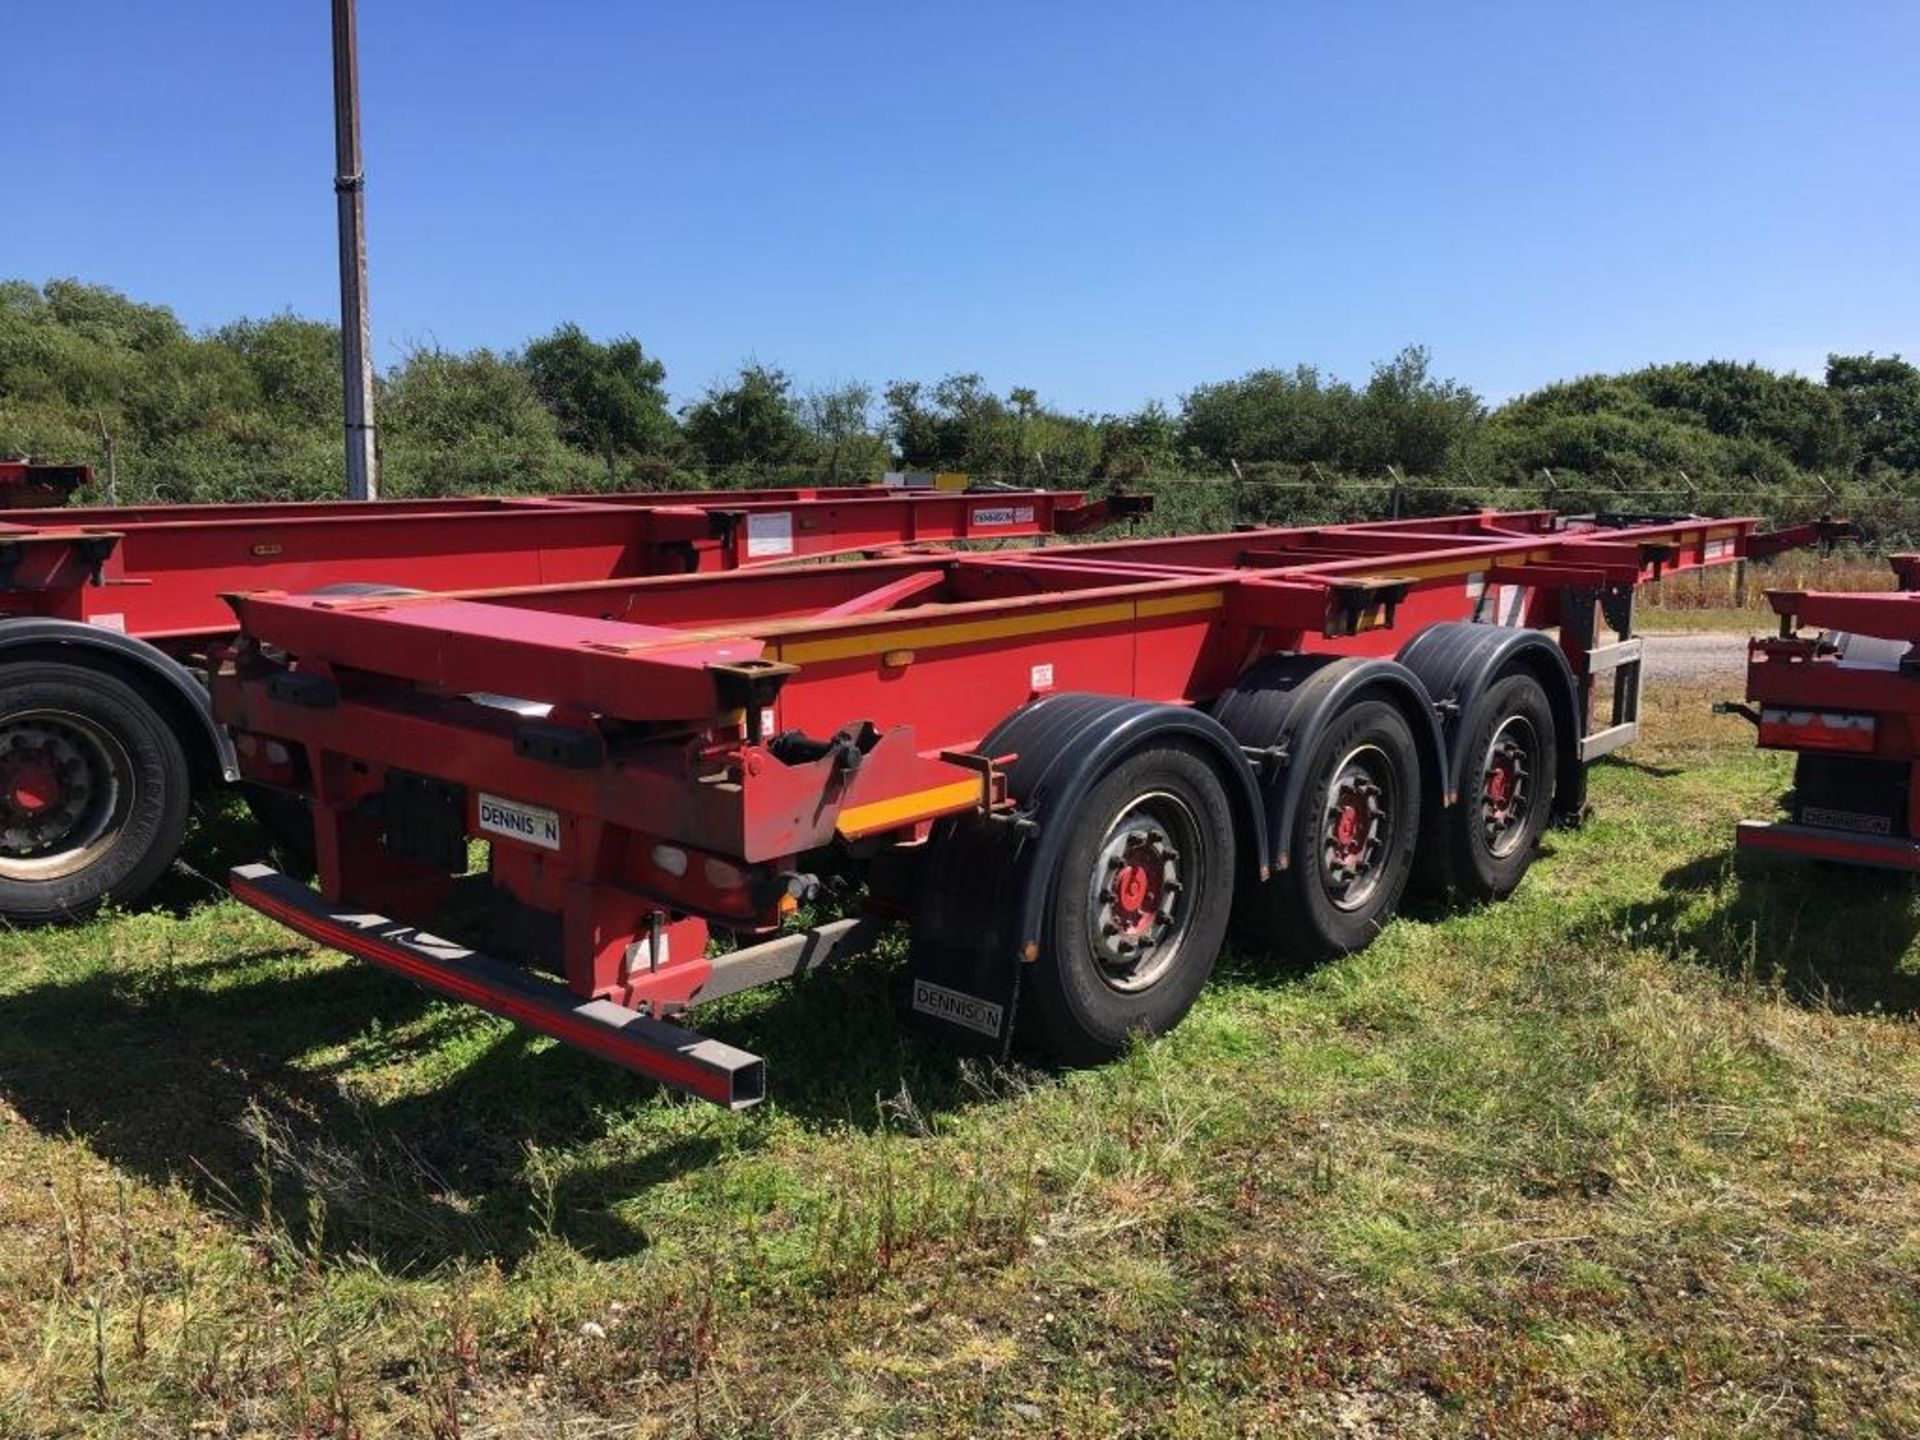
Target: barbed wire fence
pixel 1188 496
pixel 1889 515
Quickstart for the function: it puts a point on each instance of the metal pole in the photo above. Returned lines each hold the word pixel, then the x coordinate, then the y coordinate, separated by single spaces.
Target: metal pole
pixel 356 329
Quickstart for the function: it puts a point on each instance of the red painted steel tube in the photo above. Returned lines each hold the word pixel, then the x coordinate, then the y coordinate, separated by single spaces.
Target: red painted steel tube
pixel 159 571
pixel 1810 842
pixel 674 1056
pixel 1892 615
pixel 644 649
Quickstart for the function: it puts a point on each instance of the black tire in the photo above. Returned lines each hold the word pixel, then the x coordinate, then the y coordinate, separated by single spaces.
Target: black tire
pixel 94 792
pixel 1138 907
pixel 1343 884
pixel 1506 785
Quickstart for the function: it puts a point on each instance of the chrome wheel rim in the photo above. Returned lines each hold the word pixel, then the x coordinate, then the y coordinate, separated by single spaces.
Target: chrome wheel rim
pixel 1506 786
pixel 66 785
pixel 1356 827
pixel 1147 865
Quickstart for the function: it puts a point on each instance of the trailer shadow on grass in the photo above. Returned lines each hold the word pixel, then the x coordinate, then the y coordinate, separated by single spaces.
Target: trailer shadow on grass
pixel 265 1078
pixel 1826 935
pixel 228 1079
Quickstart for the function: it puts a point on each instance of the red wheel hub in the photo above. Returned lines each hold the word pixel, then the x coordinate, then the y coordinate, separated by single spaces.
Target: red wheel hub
pixel 31 785
pixel 1346 830
pixel 1133 897
pixel 1506 786
pixel 47 784
pixel 1355 827
pixel 1136 889
pixel 1499 784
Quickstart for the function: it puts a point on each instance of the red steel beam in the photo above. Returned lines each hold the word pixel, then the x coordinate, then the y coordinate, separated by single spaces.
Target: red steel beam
pixel 1811 842
pixel 1892 615
pixel 977 633
pixel 158 572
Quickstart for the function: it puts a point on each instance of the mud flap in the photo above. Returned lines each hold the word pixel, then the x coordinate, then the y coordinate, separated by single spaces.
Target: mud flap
pixel 965 996
pixel 965 963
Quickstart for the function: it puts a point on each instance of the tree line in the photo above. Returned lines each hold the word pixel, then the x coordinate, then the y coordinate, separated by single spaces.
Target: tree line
pixel 250 410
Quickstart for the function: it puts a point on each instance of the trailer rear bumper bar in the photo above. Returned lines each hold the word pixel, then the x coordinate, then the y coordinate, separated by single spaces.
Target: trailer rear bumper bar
pixel 671 1054
pixel 1812 842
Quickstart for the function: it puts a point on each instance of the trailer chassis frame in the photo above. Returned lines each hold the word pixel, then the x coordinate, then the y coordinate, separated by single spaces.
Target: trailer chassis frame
pixel 701 737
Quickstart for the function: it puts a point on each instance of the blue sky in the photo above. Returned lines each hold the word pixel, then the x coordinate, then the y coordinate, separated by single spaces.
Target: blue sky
pixel 1107 201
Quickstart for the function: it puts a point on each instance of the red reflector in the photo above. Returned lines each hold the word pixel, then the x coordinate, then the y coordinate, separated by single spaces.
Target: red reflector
pixel 1816 730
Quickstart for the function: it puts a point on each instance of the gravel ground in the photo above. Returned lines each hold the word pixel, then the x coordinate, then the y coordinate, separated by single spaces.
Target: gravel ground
pixel 1716 655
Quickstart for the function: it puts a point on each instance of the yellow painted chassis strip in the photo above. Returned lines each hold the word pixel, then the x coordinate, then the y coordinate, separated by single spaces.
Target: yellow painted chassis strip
pixel 968 632
pixel 915 805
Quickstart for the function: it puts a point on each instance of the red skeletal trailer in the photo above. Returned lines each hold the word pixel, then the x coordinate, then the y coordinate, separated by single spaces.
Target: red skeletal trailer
pixel 1067 769
pixel 1846 701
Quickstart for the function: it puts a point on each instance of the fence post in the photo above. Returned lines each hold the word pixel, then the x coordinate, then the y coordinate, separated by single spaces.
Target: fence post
pixel 107 452
pixel 1395 500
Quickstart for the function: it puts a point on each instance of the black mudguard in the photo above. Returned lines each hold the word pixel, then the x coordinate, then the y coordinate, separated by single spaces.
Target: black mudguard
pixel 985 892
pixel 1459 661
pixel 1282 704
pixel 208 746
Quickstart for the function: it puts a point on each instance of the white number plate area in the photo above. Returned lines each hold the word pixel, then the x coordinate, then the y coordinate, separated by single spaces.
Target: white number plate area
pixel 517 820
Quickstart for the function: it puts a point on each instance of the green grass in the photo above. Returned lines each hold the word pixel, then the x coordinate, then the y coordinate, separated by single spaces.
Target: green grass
pixel 1632 1153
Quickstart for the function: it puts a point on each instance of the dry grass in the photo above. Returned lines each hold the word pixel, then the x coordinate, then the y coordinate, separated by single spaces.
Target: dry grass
pixel 1715 599
pixel 1633 1153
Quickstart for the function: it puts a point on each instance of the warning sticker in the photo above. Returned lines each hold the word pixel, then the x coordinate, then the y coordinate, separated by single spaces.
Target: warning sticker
pixel 1498 604
pixel 769 532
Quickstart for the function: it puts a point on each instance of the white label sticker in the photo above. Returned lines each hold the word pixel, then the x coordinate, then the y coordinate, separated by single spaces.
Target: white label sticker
pixel 646 951
pixel 518 820
pixel 1042 677
pixel 956 1007
pixel 1719 549
pixel 1004 515
pixel 1512 605
pixel 769 533
pixel 111 620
